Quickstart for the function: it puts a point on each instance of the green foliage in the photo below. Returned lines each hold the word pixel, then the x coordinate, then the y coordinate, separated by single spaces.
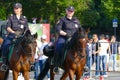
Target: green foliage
pixel 2 12
pixel 91 13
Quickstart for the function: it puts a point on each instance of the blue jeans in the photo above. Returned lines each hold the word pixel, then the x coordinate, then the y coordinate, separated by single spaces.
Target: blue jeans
pixel 103 62
pixel 41 63
pixel 95 59
pixel 114 57
pixel 89 64
pixel 36 69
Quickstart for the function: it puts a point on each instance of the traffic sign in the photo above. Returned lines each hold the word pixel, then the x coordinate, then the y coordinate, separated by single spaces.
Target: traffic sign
pixel 115 22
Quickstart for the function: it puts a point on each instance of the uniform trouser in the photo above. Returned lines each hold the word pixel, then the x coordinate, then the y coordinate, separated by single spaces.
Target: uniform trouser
pixel 59 53
pixel 5 47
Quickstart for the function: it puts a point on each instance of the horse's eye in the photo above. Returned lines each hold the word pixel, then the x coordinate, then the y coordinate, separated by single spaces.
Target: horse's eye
pixel 83 39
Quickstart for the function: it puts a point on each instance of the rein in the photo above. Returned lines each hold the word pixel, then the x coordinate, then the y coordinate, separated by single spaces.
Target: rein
pixel 77 50
pixel 23 50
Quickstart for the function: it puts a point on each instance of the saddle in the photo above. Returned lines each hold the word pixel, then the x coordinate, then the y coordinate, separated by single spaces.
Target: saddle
pixel 10 49
pixel 49 51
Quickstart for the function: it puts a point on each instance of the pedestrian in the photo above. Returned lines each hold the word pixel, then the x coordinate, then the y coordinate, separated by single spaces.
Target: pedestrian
pixel 16 25
pixel 103 55
pixel 95 55
pixel 89 57
pixel 66 27
pixel 114 51
pixel 108 52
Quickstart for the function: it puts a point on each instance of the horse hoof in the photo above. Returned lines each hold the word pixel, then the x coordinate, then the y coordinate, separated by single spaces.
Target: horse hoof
pixel 4 67
pixel 32 68
pixel 86 69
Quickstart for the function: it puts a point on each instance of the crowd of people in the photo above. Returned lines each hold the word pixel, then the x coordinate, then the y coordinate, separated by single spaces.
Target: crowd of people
pixel 99 52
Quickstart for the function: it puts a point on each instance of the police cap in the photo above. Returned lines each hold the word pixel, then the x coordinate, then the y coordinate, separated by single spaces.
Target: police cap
pixel 70 8
pixel 17 5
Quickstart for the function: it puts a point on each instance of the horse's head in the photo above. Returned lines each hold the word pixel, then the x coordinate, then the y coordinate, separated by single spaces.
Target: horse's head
pixel 82 38
pixel 79 41
pixel 29 43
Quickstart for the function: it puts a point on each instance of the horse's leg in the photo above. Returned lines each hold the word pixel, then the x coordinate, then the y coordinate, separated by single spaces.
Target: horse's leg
pixel 26 75
pixel 6 75
pixel 52 74
pixel 79 75
pixel 15 75
pixel 71 74
pixel 64 76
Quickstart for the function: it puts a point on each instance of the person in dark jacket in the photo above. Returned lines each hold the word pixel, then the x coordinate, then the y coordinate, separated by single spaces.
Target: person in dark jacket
pixel 66 27
pixel 16 25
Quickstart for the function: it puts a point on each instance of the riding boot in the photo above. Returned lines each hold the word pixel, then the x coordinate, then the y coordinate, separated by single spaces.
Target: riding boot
pixel 4 66
pixel 56 63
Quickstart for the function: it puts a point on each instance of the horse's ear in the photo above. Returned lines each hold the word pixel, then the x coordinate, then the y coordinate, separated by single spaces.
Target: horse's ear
pixel 79 29
pixel 87 30
pixel 27 33
pixel 35 35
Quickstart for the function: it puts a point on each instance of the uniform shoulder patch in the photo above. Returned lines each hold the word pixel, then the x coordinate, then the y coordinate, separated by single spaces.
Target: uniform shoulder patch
pixel 24 16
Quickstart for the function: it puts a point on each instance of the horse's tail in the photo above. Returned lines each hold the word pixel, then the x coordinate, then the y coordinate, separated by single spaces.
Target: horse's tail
pixel 6 75
pixel 45 70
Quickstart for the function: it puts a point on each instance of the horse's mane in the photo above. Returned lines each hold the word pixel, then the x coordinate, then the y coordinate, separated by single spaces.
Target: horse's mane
pixel 23 37
pixel 80 33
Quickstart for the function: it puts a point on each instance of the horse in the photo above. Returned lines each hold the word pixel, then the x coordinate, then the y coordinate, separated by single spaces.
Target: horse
pixel 22 57
pixel 75 59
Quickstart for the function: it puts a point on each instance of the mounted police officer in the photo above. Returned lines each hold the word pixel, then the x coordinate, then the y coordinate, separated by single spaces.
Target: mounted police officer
pixel 16 25
pixel 65 27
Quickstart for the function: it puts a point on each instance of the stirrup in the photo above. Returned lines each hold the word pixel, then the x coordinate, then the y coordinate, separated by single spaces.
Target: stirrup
pixel 3 67
pixel 56 70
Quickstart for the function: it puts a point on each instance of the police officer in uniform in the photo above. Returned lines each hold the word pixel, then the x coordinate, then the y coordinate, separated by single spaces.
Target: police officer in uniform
pixel 16 25
pixel 65 27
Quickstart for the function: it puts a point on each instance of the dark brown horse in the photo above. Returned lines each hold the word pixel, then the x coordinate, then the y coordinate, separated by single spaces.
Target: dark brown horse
pixel 22 56
pixel 75 56
pixel 75 59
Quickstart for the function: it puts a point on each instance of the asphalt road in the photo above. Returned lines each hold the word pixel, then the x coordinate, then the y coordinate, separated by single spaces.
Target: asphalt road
pixel 111 76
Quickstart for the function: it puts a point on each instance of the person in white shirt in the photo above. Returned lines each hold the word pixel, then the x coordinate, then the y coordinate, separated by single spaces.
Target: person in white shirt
pixel 42 58
pixel 36 64
pixel 103 55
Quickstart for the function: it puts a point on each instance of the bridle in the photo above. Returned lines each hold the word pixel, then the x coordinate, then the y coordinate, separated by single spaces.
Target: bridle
pixel 79 49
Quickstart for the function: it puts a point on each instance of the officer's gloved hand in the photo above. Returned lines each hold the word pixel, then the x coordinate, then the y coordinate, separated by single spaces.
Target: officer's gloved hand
pixel 17 34
pixel 68 38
